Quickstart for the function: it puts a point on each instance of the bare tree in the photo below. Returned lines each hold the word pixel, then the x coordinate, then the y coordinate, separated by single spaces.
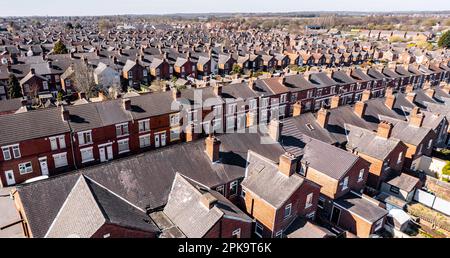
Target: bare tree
pixel 83 78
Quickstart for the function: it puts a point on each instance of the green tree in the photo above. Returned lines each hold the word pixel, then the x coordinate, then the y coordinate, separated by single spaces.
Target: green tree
pixel 60 48
pixel 14 89
pixel 444 40
pixel 60 96
pixel 236 69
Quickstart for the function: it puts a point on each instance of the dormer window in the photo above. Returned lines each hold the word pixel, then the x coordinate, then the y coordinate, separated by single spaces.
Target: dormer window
pixel 310 127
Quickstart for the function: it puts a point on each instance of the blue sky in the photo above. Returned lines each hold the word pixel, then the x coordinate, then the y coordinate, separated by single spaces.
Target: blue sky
pixel 111 7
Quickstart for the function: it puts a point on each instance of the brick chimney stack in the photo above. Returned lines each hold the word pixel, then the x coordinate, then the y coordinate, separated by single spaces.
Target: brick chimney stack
pixel 390 101
pixel 416 117
pixel 409 88
pixel 411 97
pixel 335 101
pixel 322 117
pixel 297 109
pixel 208 200
pixel 360 108
pixel 385 129
pixel 126 103
pixel 251 84
pixel 213 148
pixel 65 114
pixel 367 94
pixel 82 95
pixel 275 127
pixel 217 90
pixel 430 93
pixel 288 164
pixel 176 94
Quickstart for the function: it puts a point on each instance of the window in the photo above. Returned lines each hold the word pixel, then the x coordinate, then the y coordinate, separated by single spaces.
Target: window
pixel 107 235
pixel 430 144
pixel 122 129
pixel 233 188
pixel 174 119
pixel 378 225
pixel 25 168
pixel 310 127
pixel 144 73
pixel 253 104
pixel 45 85
pixel 333 90
pixel 130 75
pixel 309 200
pixel 144 141
pixel 60 160
pixel 279 234
pixel 231 109
pixel 345 184
pixel 221 189
pixel 123 146
pixel 309 94
pixel 283 98
pixel 6 153
pixel 144 125
pixel 361 175
pixel 85 137
pixel 236 233
pixel 400 158
pixel 174 134
pixel 87 155
pixel 420 149
pixel 68 83
pixel 259 229
pixel 193 116
pixel 58 142
pixel 303 169
pixel 321 202
pixel 264 117
pixel 230 123
pixel 394 189
pixel 243 193
pixel 265 102
pixel 14 149
pixel 287 211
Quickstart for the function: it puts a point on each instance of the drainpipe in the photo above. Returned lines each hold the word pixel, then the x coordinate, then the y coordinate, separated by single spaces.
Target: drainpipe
pixel 71 146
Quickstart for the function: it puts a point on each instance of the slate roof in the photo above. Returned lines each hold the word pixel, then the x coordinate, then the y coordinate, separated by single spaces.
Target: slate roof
pixel 262 173
pixel 184 208
pixel 404 182
pixel 362 207
pixel 29 125
pixel 298 83
pixel 307 124
pixel 367 142
pixel 89 206
pixel 405 132
pixel 302 228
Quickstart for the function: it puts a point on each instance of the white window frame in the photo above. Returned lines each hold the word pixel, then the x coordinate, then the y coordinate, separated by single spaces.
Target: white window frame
pixel 243 193
pixel 237 233
pixel 283 98
pixel 287 211
pixel 234 184
pixel 279 234
pixel 6 153
pixel 221 189
pixel 253 104
pixel 361 176
pixel 59 156
pixel 147 136
pixel 122 130
pixel 91 149
pixel 378 225
pixel 82 138
pixel 175 119
pixel 119 143
pixel 231 109
pixel 144 126
pixel 345 184
pixel 264 102
pixel 400 158
pixel 175 132
pixel 45 85
pixel 309 200
pixel 11 149
pixel 24 169
pixel 430 144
